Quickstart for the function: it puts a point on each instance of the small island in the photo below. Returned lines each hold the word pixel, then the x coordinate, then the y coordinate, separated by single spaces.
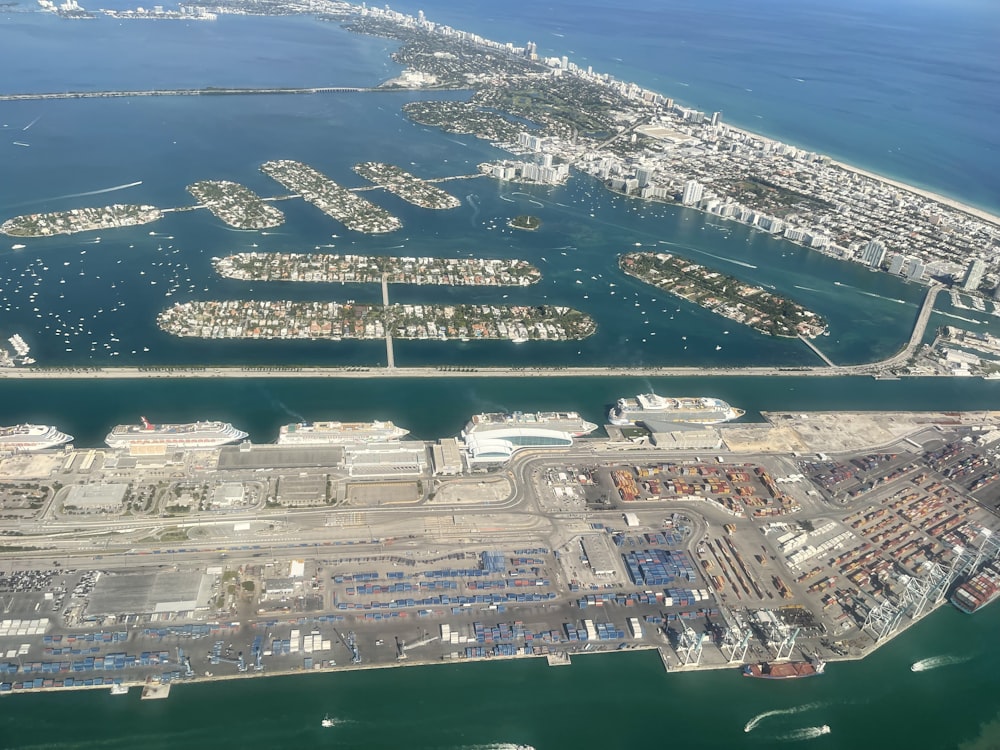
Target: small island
pixel 525 222
pixel 464 118
pixel 724 295
pixel 80 220
pixel 284 319
pixel 236 205
pixel 411 189
pixel 369 269
pixel 337 202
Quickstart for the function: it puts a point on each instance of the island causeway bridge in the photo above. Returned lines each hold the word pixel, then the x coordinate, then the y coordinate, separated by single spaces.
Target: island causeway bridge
pixel 882 368
pixel 211 91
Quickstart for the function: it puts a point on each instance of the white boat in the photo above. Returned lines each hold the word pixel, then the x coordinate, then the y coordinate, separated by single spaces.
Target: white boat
pixel 156 438
pixel 327 722
pixel 119 689
pixel 339 433
pixel 650 409
pixel 25 438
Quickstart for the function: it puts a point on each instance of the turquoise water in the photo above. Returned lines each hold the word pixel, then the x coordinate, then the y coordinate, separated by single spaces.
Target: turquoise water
pixel 905 89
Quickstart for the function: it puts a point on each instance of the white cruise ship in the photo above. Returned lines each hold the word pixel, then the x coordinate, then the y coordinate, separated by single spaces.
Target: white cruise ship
pixel 157 438
pixel 339 433
pixel 25 438
pixel 560 421
pixel 653 411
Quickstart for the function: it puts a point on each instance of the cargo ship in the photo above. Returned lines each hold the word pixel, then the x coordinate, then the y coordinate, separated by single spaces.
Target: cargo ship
pixel 979 590
pixel 24 438
pixel 651 410
pixel 786 670
pixel 559 421
pixel 152 438
pixel 339 433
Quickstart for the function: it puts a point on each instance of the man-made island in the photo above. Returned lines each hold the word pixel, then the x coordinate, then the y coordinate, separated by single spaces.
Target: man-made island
pixel 80 220
pixel 263 319
pixel 824 534
pixel 236 205
pixel 335 201
pixel 526 222
pixel 372 269
pixel 724 295
pixel 411 189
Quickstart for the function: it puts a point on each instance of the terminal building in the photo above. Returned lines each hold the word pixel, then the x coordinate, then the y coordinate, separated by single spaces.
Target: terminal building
pixel 498 446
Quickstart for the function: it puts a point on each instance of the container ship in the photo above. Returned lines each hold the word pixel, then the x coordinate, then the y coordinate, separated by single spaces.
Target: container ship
pixel 650 409
pixel 157 438
pixel 559 421
pixel 25 438
pixel 787 670
pixel 979 590
pixel 339 433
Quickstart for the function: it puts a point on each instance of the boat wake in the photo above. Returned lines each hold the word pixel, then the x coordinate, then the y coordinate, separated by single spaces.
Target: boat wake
pixel 84 194
pixel 806 288
pixel 499 746
pixel 756 720
pixel 702 252
pixel 934 662
pixel 809 733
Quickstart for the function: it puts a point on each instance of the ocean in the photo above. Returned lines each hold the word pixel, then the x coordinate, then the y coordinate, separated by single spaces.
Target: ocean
pixel 907 89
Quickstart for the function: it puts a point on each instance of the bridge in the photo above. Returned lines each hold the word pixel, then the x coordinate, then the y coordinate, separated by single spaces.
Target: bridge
pixel 446 371
pixel 208 91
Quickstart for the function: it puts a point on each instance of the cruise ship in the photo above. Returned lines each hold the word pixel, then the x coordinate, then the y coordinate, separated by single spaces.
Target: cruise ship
pixel 978 591
pixel 560 421
pixel 25 438
pixel 653 411
pixel 156 438
pixel 339 433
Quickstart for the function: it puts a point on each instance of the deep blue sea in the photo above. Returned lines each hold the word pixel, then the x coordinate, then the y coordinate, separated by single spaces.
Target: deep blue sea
pixel 905 88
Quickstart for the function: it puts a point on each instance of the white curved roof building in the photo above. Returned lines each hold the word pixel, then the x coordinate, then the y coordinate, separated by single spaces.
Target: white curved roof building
pixel 498 445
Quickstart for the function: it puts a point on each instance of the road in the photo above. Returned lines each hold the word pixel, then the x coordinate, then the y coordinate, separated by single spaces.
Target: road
pixel 442 371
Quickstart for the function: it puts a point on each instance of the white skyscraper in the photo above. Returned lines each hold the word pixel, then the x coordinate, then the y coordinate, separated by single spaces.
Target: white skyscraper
pixel 973 275
pixel 692 192
pixel 873 254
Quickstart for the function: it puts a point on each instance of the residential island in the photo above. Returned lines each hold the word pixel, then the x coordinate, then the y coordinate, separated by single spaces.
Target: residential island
pixel 644 144
pixel 724 295
pixel 236 205
pixel 335 201
pixel 372 269
pixel 411 189
pixel 80 220
pixel 280 319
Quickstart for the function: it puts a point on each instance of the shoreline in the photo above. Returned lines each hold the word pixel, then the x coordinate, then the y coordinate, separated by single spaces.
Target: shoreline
pixel 563 657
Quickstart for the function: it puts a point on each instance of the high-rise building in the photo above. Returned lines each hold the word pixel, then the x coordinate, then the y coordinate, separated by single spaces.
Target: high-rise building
pixel 692 192
pixel 873 254
pixel 643 175
pixel 973 275
pixel 716 118
pixel 897 263
pixel 915 271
